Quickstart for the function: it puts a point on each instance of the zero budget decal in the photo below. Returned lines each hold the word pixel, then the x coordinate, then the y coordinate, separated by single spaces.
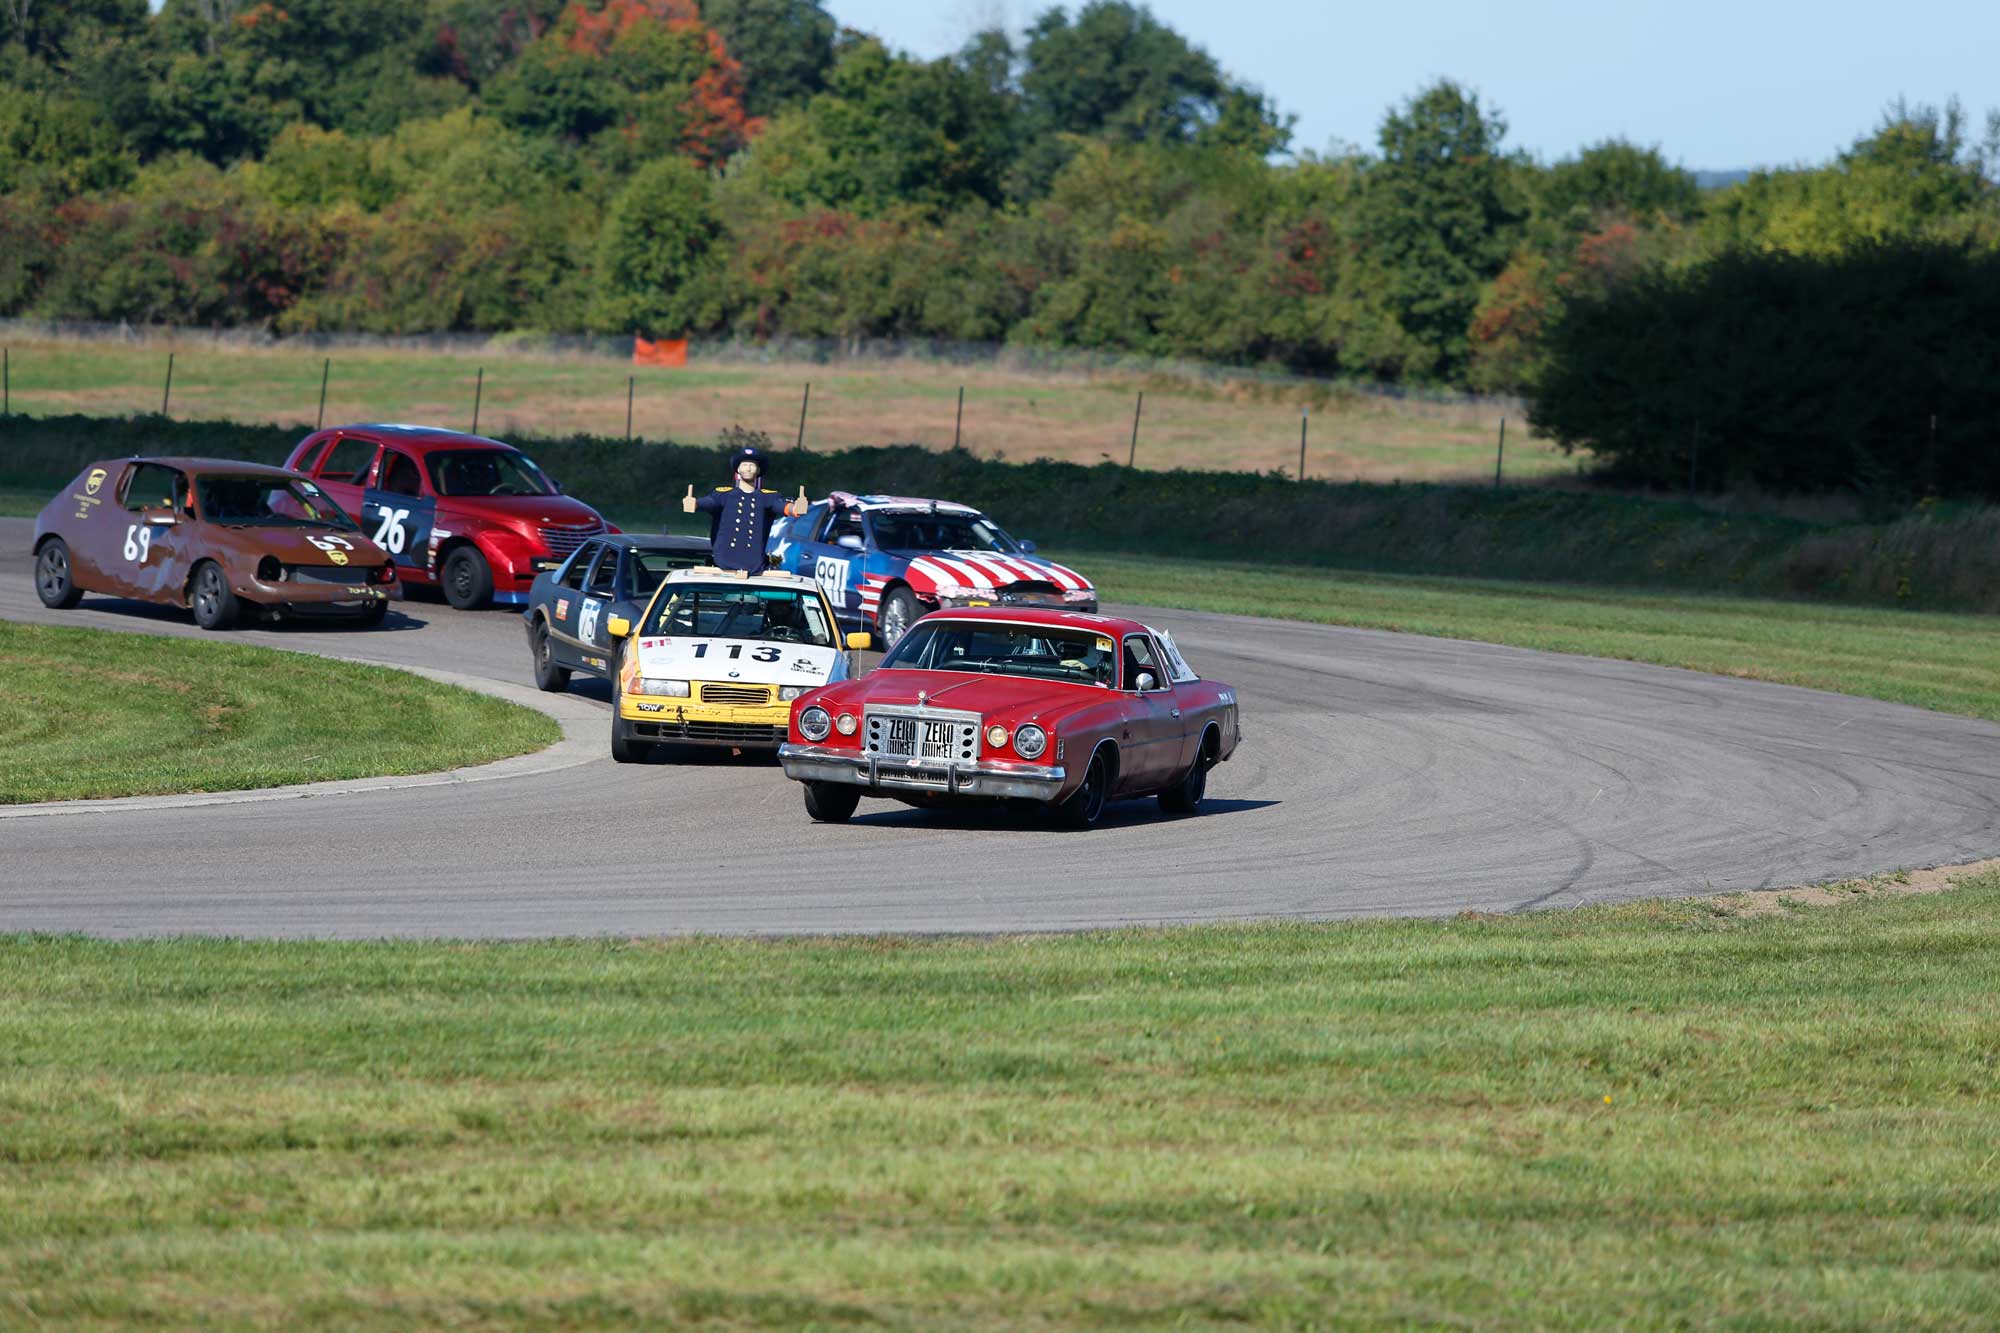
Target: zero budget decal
pixel 399 524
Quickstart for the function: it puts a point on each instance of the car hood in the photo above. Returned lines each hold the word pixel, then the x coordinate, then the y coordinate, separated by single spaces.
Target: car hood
pixel 303 546
pixel 951 572
pixel 1014 696
pixel 523 511
pixel 675 658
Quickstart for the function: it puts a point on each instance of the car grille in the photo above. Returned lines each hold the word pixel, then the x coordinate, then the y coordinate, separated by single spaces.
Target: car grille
pixel 561 539
pixel 721 733
pixel 935 736
pixel 329 573
pixel 1030 588
pixel 751 695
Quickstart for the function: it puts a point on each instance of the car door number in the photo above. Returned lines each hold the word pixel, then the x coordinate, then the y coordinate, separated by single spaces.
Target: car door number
pixel 138 542
pixel 736 652
pixel 586 619
pixel 391 534
pixel 336 548
pixel 831 575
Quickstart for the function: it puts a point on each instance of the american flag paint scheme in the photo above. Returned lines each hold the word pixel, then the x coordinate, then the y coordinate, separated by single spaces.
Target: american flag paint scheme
pixel 885 560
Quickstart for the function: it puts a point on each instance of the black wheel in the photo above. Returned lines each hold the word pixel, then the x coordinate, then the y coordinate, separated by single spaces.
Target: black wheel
pixel 373 613
pixel 831 802
pixel 899 611
pixel 548 676
pixel 1184 797
pixel 467 579
pixel 215 606
pixel 1085 805
pixel 53 581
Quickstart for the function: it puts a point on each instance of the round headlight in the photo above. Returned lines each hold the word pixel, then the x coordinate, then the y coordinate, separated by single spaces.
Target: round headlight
pixel 996 736
pixel 846 724
pixel 1030 741
pixel 814 724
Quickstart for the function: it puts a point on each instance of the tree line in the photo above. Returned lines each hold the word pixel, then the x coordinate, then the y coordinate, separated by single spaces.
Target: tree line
pixel 745 167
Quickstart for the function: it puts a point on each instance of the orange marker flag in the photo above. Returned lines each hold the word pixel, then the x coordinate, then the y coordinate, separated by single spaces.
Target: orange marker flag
pixel 670 352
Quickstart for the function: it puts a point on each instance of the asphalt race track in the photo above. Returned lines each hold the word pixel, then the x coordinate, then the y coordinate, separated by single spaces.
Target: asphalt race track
pixel 1379 774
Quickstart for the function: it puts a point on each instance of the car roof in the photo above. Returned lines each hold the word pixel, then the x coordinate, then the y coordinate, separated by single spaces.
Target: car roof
pixel 198 466
pixel 655 541
pixel 709 574
pixel 422 439
pixel 894 503
pixel 1028 615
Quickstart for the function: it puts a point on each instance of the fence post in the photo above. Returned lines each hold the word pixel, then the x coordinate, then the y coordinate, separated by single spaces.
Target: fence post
pixel 1304 412
pixel 167 392
pixel 1500 454
pixel 1132 459
pixel 802 415
pixel 478 392
pixel 324 371
pixel 630 380
pixel 958 426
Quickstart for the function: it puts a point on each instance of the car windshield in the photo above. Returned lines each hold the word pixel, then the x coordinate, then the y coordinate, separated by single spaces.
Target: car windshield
pixel 486 472
pixel 651 567
pixel 907 531
pixel 264 502
pixel 995 648
pixel 715 611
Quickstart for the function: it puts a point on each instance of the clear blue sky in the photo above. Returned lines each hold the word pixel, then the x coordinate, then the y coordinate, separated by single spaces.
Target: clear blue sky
pixel 1715 84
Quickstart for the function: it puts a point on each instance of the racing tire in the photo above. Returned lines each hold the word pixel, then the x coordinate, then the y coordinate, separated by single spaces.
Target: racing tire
pixel 54 583
pixel 467 579
pixel 831 802
pixel 899 612
pixel 549 677
pixel 1184 797
pixel 1085 806
pixel 374 614
pixel 625 747
pixel 215 607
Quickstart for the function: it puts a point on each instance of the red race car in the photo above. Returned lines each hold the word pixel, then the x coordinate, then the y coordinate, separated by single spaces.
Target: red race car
pixel 473 516
pixel 1062 708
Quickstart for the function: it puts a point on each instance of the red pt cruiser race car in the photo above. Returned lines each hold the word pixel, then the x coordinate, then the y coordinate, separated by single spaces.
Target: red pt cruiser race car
pixel 1066 709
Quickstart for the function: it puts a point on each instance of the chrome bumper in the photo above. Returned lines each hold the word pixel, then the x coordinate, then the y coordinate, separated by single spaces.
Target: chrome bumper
pixel 827 763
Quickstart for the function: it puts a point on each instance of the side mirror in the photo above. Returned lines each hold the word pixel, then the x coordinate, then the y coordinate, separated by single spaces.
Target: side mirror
pixel 159 516
pixel 618 627
pixel 851 542
pixel 558 485
pixel 1027 548
pixel 1146 682
pixel 860 640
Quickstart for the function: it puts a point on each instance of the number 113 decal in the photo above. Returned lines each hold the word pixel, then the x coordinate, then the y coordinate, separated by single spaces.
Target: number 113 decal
pixel 736 652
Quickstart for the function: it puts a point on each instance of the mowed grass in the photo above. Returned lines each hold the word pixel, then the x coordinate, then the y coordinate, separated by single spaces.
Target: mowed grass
pixel 1659 1115
pixel 1012 414
pixel 88 713
pixel 1949 663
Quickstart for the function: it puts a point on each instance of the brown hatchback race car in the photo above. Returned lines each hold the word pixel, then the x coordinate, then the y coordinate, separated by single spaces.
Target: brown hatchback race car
pixel 216 537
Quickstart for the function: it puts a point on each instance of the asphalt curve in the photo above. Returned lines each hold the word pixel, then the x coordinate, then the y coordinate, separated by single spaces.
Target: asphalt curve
pixel 1379 774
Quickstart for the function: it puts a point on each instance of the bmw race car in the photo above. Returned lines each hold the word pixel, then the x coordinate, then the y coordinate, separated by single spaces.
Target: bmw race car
pixel 885 560
pixel 717 658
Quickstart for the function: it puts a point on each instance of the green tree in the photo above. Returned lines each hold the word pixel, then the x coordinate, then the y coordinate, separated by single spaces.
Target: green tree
pixel 1616 177
pixel 1437 219
pixel 784 46
pixel 58 145
pixel 654 271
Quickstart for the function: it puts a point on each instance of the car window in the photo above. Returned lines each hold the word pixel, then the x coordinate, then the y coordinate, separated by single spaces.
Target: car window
pixel 650 568
pixel 579 565
pixel 347 460
pixel 152 486
pixel 603 580
pixel 399 474
pixel 846 523
pixel 1140 656
pixel 1178 670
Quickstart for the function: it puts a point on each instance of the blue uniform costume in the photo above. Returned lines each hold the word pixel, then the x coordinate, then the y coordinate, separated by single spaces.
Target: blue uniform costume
pixel 742 525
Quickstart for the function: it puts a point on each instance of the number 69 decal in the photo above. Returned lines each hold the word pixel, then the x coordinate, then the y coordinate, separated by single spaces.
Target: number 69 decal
pixel 336 548
pixel 138 542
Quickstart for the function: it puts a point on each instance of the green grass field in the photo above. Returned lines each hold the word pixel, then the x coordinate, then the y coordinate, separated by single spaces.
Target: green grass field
pixel 88 713
pixel 1012 414
pixel 1661 1115
pixel 1950 663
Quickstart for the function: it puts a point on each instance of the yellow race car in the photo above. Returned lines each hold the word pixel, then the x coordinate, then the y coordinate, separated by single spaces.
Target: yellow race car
pixel 716 659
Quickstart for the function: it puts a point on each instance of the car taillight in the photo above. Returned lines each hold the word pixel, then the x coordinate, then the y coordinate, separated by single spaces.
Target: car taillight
pixel 382 574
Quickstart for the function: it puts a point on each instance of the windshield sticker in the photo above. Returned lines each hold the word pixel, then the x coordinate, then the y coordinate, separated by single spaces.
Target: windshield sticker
pixel 1104 645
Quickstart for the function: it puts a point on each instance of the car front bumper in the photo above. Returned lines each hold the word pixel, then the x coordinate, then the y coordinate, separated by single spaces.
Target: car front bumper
pixel 987 778
pixel 1011 600
pixel 692 722
pixel 303 593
